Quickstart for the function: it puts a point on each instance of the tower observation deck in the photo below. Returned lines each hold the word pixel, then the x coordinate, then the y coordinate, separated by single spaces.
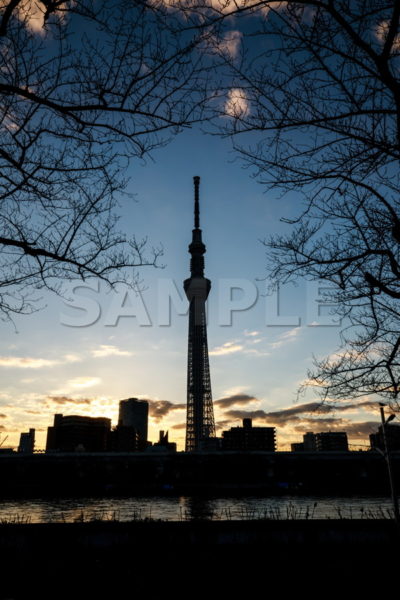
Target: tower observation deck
pixel 200 424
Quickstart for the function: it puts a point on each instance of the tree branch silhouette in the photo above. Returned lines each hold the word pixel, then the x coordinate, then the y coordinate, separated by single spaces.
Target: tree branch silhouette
pixel 85 88
pixel 317 115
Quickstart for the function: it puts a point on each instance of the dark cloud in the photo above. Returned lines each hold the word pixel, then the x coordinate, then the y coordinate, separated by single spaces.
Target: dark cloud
pixel 281 417
pixel 354 430
pixel 3 416
pixel 356 406
pixel 301 413
pixel 318 425
pixel 235 399
pixel 247 414
pixel 223 424
pixel 68 400
pixel 158 409
pixel 286 414
pixel 2 428
pixel 33 412
pixel 362 430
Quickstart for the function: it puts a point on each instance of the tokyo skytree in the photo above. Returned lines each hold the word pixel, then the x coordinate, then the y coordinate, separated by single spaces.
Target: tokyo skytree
pixel 200 424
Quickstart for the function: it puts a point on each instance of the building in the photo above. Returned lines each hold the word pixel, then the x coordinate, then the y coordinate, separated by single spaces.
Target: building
pixel 200 425
pixel 134 413
pixel 297 447
pixel 327 441
pixel 27 442
pixel 332 441
pixel 124 439
pixel 310 442
pixel 163 444
pixel 249 438
pixel 74 433
pixel 392 438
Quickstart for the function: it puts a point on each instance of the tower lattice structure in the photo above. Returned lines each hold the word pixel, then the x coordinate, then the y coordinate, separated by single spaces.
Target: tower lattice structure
pixel 200 424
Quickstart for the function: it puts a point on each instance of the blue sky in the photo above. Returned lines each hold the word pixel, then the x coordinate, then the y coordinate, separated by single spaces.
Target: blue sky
pixel 258 359
pixel 48 366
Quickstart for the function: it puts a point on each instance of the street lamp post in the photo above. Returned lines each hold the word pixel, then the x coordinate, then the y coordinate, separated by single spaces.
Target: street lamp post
pixel 389 462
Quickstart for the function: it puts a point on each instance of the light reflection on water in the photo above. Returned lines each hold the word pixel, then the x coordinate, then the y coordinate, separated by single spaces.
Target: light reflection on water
pixel 188 508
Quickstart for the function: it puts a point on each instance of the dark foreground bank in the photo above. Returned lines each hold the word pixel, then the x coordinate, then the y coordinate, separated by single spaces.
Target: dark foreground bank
pixel 98 559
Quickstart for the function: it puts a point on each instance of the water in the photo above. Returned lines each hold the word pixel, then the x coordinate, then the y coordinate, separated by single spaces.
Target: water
pixel 187 508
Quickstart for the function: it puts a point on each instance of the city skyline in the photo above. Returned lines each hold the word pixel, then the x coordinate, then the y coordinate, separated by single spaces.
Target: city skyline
pixel 49 367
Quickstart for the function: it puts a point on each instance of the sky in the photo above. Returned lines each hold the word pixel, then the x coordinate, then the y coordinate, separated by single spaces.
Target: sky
pixel 59 361
pixel 84 352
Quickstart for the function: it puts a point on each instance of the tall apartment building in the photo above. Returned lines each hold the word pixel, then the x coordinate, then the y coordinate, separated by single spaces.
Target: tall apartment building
pixel 134 413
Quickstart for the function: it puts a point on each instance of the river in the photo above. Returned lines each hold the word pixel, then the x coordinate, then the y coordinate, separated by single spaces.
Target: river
pixel 174 508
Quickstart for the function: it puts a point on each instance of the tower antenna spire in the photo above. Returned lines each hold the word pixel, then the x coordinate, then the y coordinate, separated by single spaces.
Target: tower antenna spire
pixel 196 180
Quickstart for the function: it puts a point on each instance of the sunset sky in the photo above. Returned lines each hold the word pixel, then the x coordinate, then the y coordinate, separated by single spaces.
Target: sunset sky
pixel 83 353
pixel 49 365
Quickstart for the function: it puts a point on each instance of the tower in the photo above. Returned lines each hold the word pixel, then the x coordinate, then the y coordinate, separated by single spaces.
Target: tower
pixel 200 415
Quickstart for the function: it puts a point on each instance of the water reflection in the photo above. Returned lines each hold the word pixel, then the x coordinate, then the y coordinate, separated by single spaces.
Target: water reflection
pixel 197 509
pixel 191 508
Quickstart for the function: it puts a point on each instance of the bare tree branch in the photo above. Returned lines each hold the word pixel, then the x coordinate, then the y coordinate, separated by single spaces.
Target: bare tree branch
pixel 312 104
pixel 85 87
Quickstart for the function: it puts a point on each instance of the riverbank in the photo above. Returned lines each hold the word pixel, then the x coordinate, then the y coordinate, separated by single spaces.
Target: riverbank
pixel 265 473
pixel 153 555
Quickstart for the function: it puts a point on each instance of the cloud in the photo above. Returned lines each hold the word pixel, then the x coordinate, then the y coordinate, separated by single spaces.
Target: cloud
pixel 354 430
pixel 84 382
pixel 237 103
pixel 281 417
pixel 286 337
pixel 222 7
pixel 2 428
pixel 72 358
pixel 320 424
pixel 288 414
pixel 381 33
pixel 179 426
pixel 246 346
pixel 106 350
pixel 222 424
pixel 251 333
pixel 28 362
pixel 302 415
pixel 247 414
pixel 229 44
pixel 20 362
pixel 32 14
pixel 158 409
pixel 368 405
pixel 227 348
pixel 3 416
pixel 235 399
pixel 255 352
pixel 68 400
pixel 361 430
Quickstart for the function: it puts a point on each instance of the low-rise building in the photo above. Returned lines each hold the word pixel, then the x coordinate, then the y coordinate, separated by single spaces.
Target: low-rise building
pixel 332 441
pixel 75 433
pixel 326 441
pixel 249 438
pixel 27 442
pixel 392 438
